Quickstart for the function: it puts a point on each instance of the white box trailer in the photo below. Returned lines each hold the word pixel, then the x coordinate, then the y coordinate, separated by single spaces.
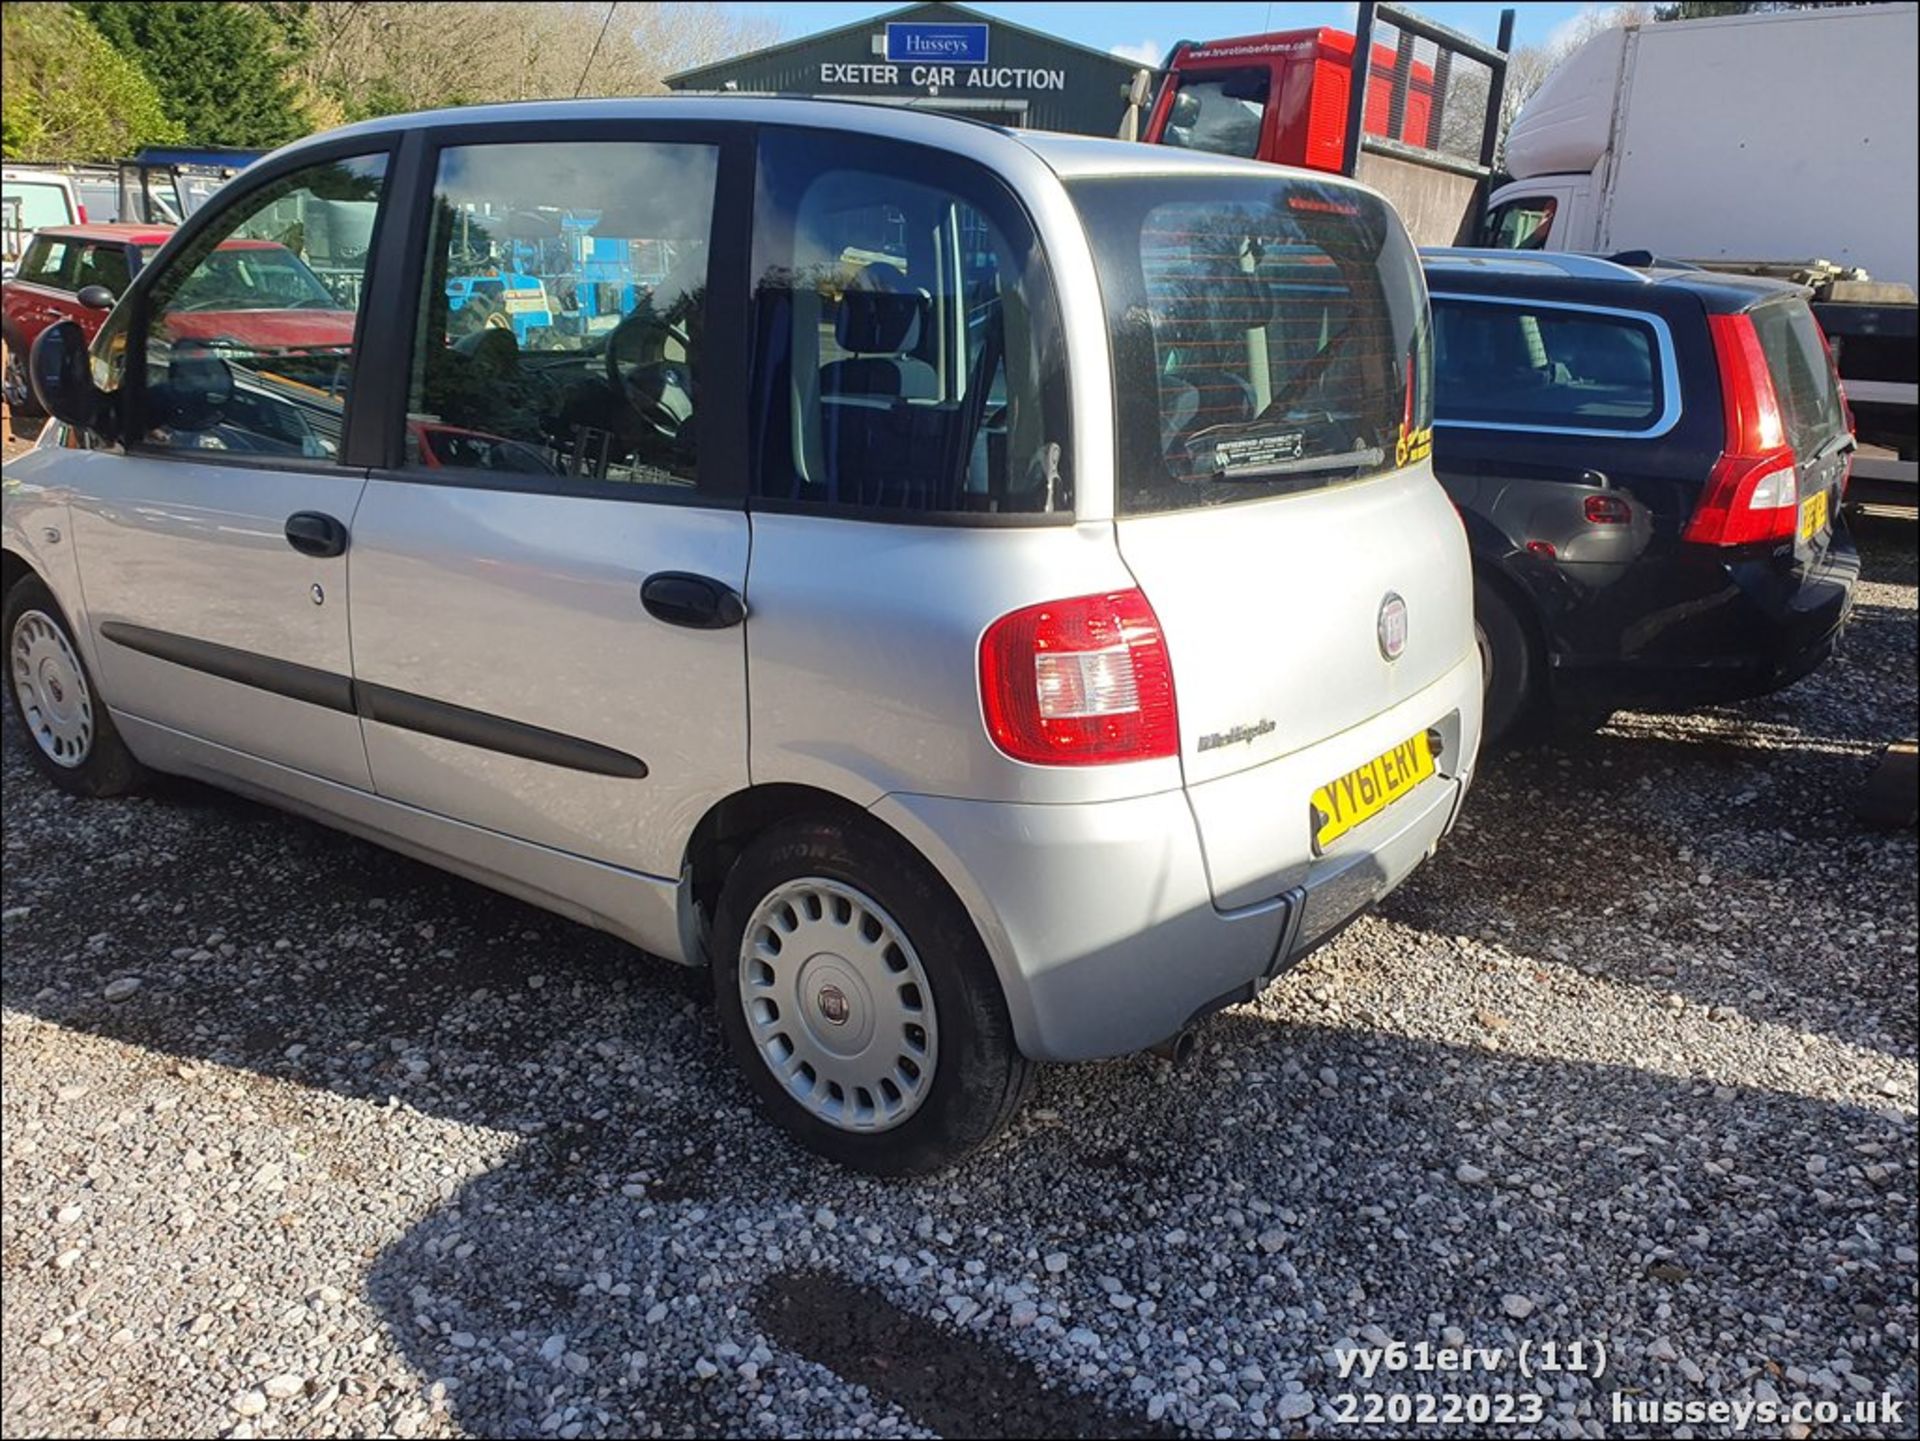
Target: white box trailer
pixel 1765 142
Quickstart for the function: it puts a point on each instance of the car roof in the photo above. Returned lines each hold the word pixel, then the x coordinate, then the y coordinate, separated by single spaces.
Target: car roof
pixel 114 231
pixel 1067 155
pixel 1552 274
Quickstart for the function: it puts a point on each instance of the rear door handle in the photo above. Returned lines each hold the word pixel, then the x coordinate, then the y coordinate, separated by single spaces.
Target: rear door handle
pixel 700 602
pixel 312 532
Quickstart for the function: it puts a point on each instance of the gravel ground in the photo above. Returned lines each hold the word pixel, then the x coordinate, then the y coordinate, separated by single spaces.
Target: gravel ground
pixel 301 1138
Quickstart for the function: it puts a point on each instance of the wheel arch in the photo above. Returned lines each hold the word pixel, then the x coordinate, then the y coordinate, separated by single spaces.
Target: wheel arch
pixel 14 568
pixel 731 824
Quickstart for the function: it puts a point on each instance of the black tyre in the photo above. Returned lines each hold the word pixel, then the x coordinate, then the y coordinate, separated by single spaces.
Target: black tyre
pixel 69 733
pixel 857 997
pixel 20 397
pixel 1509 662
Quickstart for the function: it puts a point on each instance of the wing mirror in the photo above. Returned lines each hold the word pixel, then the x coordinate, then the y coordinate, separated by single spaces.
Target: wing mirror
pixel 95 297
pixel 62 378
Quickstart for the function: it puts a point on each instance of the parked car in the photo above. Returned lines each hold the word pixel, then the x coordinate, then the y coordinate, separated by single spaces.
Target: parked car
pixel 1651 465
pixel 58 263
pixel 846 633
pixel 250 293
pixel 32 197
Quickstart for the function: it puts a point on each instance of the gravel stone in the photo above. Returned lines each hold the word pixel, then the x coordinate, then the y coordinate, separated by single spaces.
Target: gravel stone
pixel 340 1167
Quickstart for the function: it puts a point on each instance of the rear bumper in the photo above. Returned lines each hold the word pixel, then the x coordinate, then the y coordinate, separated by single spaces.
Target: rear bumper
pixel 1100 919
pixel 1746 628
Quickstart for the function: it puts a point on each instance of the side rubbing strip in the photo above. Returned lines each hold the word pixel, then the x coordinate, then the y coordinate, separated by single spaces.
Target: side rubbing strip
pixel 282 677
pixel 490 732
pixel 377 702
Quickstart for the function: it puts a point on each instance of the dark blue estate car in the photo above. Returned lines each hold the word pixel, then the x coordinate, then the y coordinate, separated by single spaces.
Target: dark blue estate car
pixel 1650 465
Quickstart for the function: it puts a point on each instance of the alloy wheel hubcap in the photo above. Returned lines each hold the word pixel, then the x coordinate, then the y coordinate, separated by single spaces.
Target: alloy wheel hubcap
pixel 838 1004
pixel 52 690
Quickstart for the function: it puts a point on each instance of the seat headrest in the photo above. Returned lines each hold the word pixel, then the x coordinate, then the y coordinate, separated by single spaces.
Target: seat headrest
pixel 879 313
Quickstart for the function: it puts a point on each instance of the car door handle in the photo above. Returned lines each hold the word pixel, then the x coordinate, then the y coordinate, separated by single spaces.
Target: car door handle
pixel 679 597
pixel 313 533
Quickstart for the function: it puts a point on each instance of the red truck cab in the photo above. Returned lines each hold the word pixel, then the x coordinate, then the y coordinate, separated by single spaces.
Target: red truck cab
pixel 1282 98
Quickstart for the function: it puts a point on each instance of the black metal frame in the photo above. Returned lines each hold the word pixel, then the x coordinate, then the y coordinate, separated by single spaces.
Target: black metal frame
pixel 1451 42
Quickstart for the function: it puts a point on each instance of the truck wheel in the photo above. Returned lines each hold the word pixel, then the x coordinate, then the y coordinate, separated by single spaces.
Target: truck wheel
pixel 1507 662
pixel 71 736
pixel 857 997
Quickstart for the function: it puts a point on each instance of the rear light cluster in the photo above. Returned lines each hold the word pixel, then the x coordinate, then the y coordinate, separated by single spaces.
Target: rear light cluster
pixel 1753 495
pixel 1084 681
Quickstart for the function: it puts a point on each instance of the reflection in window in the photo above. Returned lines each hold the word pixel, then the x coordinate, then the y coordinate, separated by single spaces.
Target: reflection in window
pixel 561 322
pixel 907 353
pixel 1219 113
pixel 250 347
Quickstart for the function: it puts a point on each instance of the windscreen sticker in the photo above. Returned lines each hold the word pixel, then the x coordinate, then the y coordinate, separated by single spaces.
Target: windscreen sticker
pixel 1257 452
pixel 1413 445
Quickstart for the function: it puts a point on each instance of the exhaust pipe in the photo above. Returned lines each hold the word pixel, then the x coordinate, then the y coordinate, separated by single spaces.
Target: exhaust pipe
pixel 1178 1048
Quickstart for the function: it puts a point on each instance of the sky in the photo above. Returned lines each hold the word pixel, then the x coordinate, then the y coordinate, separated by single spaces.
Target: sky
pixel 1146 31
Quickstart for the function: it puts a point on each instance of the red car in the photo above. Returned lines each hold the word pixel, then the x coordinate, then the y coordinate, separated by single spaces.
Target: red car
pixel 251 294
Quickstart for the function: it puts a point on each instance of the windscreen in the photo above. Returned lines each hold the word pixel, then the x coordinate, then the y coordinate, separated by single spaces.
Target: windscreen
pixel 1269 336
pixel 1218 112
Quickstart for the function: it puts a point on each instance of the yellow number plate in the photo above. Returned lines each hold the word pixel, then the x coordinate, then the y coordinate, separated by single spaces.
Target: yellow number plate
pixel 1813 515
pixel 1359 795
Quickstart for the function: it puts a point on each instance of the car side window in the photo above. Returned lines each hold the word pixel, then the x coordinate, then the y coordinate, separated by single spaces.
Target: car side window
pixel 1544 367
pixel 908 356
pixel 102 265
pixel 45 262
pixel 563 313
pixel 250 331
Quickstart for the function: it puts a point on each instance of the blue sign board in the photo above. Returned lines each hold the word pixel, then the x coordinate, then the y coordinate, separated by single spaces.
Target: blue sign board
pixel 908 43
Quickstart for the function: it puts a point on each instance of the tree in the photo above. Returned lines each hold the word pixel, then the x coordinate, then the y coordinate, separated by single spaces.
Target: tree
pixel 68 94
pixel 379 56
pixel 1709 9
pixel 221 68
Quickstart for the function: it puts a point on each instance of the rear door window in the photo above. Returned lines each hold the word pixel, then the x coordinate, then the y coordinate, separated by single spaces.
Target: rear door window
pixel 562 334
pixel 1531 366
pixel 1280 325
pixel 1803 374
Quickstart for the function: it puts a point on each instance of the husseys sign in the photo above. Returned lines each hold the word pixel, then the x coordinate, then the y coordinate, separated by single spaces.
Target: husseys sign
pixel 908 42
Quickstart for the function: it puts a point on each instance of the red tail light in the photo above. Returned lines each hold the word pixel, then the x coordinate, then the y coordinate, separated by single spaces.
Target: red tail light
pixel 1753 495
pixel 1084 681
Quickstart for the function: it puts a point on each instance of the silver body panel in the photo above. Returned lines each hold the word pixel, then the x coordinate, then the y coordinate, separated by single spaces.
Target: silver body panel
pixel 201 551
pixel 1115 901
pixel 527 607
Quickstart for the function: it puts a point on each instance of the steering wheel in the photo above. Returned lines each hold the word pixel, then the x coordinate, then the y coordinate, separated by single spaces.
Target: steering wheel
pixel 656 387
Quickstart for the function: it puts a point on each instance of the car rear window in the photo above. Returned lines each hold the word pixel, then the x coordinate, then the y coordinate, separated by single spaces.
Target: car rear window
pixel 1277 330
pixel 1539 366
pixel 1803 374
